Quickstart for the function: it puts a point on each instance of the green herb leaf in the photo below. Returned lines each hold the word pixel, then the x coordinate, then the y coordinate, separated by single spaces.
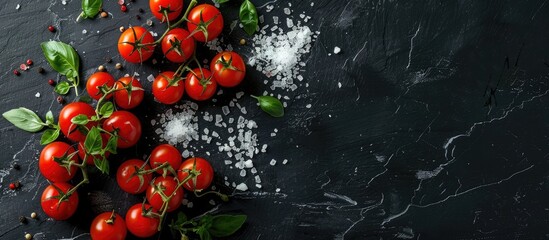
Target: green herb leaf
pixel 62 58
pixel 90 8
pixel 102 164
pixel 93 143
pixel 220 1
pixel 181 218
pixel 204 234
pixel 24 119
pixel 271 105
pixel 81 119
pixel 248 17
pixel 62 88
pixel 49 118
pixel 112 144
pixel 85 99
pixel 106 110
pixel 49 136
pixel 226 225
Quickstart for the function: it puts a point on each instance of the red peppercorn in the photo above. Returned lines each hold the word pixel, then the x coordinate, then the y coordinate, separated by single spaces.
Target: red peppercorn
pixel 51 28
pixel 17 73
pixel 12 186
pixel 29 62
pixel 123 8
pixel 51 82
pixel 60 100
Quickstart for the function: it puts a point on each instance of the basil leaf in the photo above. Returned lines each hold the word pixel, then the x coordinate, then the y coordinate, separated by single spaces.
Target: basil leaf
pixel 106 110
pixel 62 58
pixel 204 234
pixel 248 17
pixel 90 8
pixel 85 99
pixel 112 144
pixel 81 119
pixel 49 118
pixel 93 142
pixel 49 136
pixel 270 105
pixel 181 218
pixel 102 164
pixel 226 225
pixel 24 119
pixel 62 88
pixel 220 1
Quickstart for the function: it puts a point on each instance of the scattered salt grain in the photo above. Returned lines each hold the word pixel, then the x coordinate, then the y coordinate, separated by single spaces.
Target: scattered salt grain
pixel 249 163
pixel 339 84
pixel 37 95
pixel 287 11
pixel 277 190
pixel 273 162
pixel 242 173
pixel 190 205
pixel 239 95
pixel 337 50
pixel 242 187
pixel 308 106
pixel 253 170
pixel 150 78
pixel 285 161
pixel 17 7
pixel 258 186
pixel 257 179
pixel 64 2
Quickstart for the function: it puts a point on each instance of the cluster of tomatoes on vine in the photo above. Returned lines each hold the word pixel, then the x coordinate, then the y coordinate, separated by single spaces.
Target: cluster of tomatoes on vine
pixel 204 23
pixel 98 132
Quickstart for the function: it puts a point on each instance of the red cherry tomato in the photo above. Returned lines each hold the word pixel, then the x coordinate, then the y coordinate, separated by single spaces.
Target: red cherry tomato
pixel 228 69
pixel 174 8
pixel 165 93
pixel 200 85
pixel 51 205
pixel 108 226
pixel 128 97
pixel 90 159
pixel 50 169
pixel 177 46
pixel 129 182
pixel 202 14
pixel 166 185
pixel 165 153
pixel 96 80
pixel 129 41
pixel 139 225
pixel 70 111
pixel 203 180
pixel 127 126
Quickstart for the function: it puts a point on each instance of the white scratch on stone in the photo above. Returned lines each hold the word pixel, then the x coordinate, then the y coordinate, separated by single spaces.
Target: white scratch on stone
pixel 412 46
pixel 359 51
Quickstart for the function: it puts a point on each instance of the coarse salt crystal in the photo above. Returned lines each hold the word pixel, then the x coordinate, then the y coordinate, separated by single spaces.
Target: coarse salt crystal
pixel 285 161
pixel 150 78
pixel 242 187
pixel 277 190
pixel 339 84
pixel 287 11
pixel 37 95
pixel 273 162
pixel 17 7
pixel 308 106
pixel 337 50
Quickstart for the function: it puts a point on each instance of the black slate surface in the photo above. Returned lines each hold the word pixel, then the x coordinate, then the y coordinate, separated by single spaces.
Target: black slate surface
pixel 438 131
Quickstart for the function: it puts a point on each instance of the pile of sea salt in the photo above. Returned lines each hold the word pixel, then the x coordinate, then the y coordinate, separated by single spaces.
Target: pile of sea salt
pixel 180 127
pixel 278 50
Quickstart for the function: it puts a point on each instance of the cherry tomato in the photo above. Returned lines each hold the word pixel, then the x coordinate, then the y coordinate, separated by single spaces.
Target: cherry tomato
pixel 96 80
pixel 108 226
pixel 166 185
pixel 200 16
pixel 129 182
pixel 90 159
pixel 51 205
pixel 200 84
pixel 174 8
pixel 165 153
pixel 50 169
pixel 228 69
pixel 177 46
pixel 127 126
pixel 166 93
pixel 70 111
pixel 128 97
pixel 203 180
pixel 129 41
pixel 140 225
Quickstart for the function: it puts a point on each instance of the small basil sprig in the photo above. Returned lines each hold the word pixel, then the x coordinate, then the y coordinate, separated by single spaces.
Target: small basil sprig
pixel 270 105
pixel 27 120
pixel 63 59
pixel 90 8
pixel 248 17
pixel 208 226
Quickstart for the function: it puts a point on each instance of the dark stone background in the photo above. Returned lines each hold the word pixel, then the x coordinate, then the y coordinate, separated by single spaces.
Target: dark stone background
pixel 439 130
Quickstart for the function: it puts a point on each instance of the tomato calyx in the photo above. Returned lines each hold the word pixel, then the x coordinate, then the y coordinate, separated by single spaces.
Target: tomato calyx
pixel 138 44
pixel 66 161
pixel 176 47
pixel 148 212
pixel 111 219
pixel 202 26
pixel 165 11
pixel 227 64
pixel 129 89
pixel 204 82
